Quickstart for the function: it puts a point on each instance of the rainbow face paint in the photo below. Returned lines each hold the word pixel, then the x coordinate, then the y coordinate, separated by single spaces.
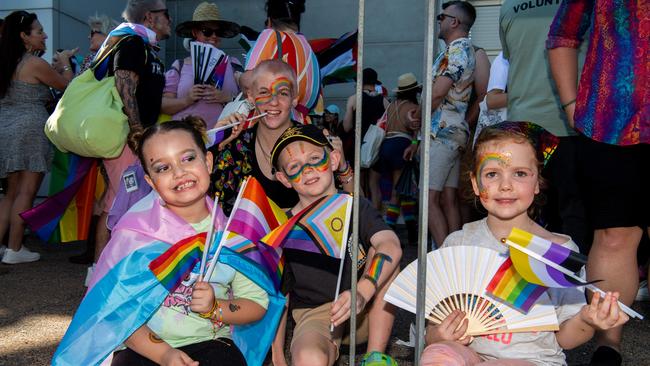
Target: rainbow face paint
pixel 502 159
pixel 377 264
pixel 319 166
pixel 279 87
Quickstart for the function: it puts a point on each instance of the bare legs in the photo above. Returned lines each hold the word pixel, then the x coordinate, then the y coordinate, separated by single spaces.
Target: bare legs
pixel 21 191
pixel 444 213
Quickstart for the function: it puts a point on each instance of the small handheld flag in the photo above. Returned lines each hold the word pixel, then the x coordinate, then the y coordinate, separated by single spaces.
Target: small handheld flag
pixel 173 265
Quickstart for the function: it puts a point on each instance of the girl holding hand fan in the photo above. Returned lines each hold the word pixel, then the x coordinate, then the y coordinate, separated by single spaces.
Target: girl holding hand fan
pixel 508 158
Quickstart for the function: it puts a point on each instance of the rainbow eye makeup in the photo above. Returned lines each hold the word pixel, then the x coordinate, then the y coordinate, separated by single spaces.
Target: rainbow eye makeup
pixel 319 166
pixel 502 159
pixel 279 86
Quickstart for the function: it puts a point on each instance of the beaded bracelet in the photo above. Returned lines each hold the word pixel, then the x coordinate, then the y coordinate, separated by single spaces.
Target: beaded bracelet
pixel 345 171
pixel 208 314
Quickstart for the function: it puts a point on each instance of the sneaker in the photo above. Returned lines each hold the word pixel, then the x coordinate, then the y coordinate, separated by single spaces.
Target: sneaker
pixel 3 249
pixel 375 358
pixel 89 274
pixel 606 356
pixel 21 256
pixel 643 294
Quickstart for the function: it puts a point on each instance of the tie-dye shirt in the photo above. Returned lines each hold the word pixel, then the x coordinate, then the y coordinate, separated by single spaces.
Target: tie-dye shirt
pixel 613 101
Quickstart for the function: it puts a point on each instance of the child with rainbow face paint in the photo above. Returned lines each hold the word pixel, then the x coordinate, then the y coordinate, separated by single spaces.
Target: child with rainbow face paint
pixel 305 161
pixel 505 176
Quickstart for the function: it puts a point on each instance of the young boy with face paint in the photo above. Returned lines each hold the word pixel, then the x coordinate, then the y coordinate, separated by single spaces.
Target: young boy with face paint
pixel 305 161
pixel 508 158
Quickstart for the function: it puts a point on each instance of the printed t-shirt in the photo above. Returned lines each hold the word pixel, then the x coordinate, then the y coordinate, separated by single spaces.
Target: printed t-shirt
pixel 532 95
pixel 133 55
pixel 311 278
pixel 177 325
pixel 457 62
pixel 541 348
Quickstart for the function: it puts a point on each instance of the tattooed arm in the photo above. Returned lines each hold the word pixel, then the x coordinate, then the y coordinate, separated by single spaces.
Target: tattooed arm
pixel 126 83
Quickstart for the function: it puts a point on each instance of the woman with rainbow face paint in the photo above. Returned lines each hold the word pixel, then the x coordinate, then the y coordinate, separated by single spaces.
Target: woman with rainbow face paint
pixel 247 153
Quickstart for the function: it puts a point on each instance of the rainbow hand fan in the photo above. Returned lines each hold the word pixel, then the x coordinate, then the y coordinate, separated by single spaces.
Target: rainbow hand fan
pixel 457 278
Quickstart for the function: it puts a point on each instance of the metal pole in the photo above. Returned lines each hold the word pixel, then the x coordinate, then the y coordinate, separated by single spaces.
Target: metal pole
pixel 357 184
pixel 429 49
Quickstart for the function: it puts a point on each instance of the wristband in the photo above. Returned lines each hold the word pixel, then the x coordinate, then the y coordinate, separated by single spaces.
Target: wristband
pixel 67 68
pixel 568 104
pixel 415 142
pixel 208 314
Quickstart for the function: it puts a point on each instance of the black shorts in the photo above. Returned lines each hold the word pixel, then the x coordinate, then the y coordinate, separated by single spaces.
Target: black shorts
pixel 615 181
pixel 219 352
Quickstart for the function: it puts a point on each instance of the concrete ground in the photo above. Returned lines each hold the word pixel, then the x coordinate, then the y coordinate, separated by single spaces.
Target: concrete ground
pixel 39 299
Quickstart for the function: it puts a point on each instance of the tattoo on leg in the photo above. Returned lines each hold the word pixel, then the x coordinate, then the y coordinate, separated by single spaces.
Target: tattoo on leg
pixel 233 307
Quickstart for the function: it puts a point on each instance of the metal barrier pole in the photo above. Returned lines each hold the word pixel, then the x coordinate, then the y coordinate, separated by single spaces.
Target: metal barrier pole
pixel 429 49
pixel 357 183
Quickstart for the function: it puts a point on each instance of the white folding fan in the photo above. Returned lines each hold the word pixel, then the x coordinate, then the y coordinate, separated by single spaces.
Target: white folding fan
pixel 456 279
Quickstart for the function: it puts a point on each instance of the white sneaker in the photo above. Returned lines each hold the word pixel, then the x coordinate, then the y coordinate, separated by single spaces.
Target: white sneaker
pixel 89 274
pixel 21 256
pixel 643 294
pixel 3 249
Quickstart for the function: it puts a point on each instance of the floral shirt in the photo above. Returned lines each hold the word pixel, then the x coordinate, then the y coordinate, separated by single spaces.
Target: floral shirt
pixel 613 101
pixel 456 62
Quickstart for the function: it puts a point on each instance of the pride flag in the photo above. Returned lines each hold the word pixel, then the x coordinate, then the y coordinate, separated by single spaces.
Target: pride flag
pixel 510 287
pixel 537 272
pixel 320 228
pixel 337 58
pixel 173 265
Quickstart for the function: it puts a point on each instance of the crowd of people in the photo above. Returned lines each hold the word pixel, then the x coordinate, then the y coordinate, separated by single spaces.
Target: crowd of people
pixel 573 173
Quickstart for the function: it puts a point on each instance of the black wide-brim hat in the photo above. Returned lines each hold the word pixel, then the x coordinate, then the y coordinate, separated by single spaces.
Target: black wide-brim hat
pixel 207 14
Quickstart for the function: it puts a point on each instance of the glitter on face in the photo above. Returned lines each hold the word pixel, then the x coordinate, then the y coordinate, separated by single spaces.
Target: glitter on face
pixel 320 166
pixel 502 159
pixel 278 86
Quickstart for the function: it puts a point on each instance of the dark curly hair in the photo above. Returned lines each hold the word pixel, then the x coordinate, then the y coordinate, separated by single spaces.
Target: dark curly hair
pixel 12 47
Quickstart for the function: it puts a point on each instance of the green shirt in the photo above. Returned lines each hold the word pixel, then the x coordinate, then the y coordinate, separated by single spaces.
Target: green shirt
pixel 177 325
pixel 532 96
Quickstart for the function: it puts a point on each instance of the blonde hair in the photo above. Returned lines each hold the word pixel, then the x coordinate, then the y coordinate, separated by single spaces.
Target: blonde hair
pixel 102 23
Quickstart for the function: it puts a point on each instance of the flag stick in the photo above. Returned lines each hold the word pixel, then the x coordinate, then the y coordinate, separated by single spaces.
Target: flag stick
pixel 567 272
pixel 343 249
pixel 208 237
pixel 231 125
pixel 224 236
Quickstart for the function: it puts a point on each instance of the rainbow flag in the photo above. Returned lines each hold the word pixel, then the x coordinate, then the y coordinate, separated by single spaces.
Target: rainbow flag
pixel 65 215
pixel 175 263
pixel 508 286
pixel 320 228
pixel 537 272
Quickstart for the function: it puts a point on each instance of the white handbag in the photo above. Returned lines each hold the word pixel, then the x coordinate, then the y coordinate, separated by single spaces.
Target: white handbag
pixel 371 144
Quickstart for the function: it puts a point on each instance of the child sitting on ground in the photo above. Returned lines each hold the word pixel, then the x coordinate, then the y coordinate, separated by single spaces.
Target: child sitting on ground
pixel 192 324
pixel 304 160
pixel 506 178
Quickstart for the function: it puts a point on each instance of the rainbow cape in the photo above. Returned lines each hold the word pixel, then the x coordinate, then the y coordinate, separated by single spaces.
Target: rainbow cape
pixel 124 293
pixel 65 215
pixel 522 279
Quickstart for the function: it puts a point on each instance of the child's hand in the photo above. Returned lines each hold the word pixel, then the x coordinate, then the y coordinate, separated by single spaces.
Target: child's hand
pixel 236 131
pixel 337 144
pixel 453 329
pixel 410 152
pixel 176 357
pixel 603 314
pixel 202 297
pixel 341 308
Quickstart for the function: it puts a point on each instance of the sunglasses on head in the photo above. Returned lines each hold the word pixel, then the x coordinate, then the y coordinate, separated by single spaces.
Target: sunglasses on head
pixel 164 11
pixel 207 32
pixel 442 17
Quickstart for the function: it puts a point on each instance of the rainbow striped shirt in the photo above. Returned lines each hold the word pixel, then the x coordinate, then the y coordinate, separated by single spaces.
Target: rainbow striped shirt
pixel 613 101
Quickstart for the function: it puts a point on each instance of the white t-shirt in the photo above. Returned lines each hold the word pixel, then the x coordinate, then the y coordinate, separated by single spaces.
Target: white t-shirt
pixel 540 348
pixel 498 73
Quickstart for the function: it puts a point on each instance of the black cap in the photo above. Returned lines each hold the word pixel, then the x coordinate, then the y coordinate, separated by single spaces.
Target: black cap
pixel 370 77
pixel 309 133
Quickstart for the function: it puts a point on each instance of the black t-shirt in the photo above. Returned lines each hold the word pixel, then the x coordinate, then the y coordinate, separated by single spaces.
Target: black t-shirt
pixel 311 278
pixel 372 109
pixel 134 55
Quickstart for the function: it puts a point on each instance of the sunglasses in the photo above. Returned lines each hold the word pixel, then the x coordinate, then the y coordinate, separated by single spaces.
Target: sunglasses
pixel 207 32
pixel 93 32
pixel 164 11
pixel 442 17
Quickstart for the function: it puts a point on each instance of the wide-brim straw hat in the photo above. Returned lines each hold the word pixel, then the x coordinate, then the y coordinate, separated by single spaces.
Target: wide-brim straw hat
pixel 208 14
pixel 406 82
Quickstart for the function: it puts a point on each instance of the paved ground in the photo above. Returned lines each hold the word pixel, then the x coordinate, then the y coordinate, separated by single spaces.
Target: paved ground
pixel 39 299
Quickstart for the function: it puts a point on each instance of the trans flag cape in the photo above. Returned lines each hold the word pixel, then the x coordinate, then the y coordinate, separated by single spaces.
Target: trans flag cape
pixel 521 279
pixel 124 292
